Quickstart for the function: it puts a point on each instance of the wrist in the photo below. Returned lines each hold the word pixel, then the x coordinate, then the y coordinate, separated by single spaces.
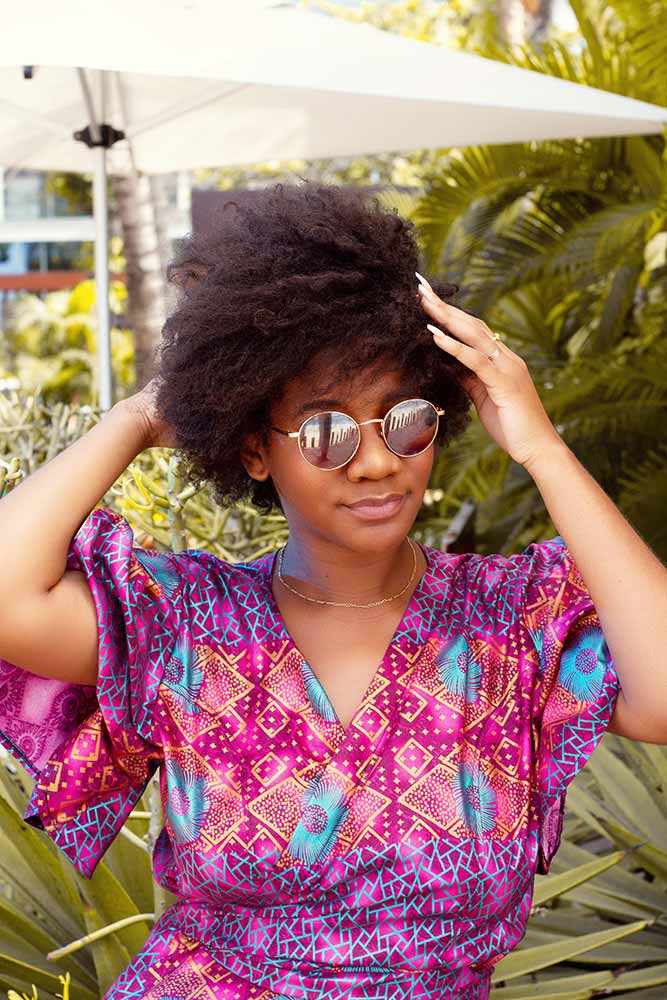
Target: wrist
pixel 549 455
pixel 136 421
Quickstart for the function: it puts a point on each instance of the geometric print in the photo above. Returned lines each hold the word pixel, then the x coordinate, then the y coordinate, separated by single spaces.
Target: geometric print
pixel 394 858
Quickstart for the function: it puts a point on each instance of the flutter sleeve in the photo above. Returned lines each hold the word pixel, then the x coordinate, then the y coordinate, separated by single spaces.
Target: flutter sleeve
pixel 575 682
pixel 92 750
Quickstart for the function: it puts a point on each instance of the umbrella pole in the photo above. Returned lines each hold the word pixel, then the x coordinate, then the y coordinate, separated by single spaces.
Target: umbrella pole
pixel 101 213
pixel 100 136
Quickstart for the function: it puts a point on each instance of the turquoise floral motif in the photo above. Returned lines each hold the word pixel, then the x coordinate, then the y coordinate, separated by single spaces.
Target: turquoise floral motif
pixel 583 664
pixel 459 670
pixel 158 566
pixel 183 676
pixel 316 694
pixel 537 635
pixel 188 804
pixel 324 810
pixel 475 799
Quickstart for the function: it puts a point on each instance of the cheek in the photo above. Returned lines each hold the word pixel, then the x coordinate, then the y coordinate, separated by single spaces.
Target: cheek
pixel 296 481
pixel 421 468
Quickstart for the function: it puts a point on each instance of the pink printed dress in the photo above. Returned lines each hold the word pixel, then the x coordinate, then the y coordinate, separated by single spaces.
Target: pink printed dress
pixel 392 860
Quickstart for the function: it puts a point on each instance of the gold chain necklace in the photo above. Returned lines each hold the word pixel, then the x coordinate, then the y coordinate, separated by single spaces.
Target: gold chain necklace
pixel 348 604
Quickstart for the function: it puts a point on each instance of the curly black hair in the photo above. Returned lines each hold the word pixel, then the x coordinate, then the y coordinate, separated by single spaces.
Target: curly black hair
pixel 263 291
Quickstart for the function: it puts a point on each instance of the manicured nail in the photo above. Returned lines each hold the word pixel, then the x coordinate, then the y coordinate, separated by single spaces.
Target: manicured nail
pixel 423 281
pixel 434 330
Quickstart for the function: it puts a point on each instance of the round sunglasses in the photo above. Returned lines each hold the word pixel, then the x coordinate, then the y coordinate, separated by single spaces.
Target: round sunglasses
pixel 329 440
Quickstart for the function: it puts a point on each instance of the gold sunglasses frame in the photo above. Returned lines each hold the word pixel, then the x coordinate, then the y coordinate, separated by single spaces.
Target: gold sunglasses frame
pixel 376 420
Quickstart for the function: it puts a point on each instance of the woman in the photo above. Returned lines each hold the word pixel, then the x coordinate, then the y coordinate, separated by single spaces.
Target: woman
pixel 364 743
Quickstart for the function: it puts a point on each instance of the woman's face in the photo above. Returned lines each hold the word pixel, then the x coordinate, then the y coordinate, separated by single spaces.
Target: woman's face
pixel 318 503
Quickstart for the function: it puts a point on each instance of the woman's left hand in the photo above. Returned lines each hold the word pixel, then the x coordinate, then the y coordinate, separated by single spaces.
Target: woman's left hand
pixel 502 390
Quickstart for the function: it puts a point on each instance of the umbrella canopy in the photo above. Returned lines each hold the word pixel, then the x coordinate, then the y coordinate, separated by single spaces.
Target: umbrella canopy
pixel 216 82
pixel 193 83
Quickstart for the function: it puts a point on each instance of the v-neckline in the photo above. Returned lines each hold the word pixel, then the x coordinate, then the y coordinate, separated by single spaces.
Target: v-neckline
pixel 380 672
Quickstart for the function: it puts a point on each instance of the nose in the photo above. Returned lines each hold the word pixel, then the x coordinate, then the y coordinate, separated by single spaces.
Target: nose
pixel 373 459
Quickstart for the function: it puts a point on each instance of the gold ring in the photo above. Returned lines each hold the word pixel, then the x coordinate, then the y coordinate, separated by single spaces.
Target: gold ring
pixel 492 356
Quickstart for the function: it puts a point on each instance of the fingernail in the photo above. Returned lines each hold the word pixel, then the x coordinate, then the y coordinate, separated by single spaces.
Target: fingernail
pixel 423 281
pixel 434 329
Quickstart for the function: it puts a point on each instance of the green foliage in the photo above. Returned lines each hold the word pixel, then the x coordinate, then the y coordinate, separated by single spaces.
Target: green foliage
pixel 562 248
pixel 75 190
pixel 50 346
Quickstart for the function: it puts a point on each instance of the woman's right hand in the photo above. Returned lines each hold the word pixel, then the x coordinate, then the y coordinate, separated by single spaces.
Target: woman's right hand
pixel 158 433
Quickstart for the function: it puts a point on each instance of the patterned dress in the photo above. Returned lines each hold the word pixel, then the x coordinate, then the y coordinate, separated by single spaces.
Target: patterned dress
pixel 394 859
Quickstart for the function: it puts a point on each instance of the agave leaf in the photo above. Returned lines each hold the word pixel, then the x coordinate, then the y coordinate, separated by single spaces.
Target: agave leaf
pixel 109 899
pixel 24 990
pixel 630 797
pixel 13 784
pixel 657 993
pixel 585 805
pixel 526 960
pixel 18 960
pixel 567 923
pixel 553 885
pixel 653 976
pixel 24 851
pixel 131 869
pixel 655 757
pixel 578 987
pixel 616 883
pixel 109 954
pixel 581 987
pixel 610 907
pixel 617 829
pixel 37 940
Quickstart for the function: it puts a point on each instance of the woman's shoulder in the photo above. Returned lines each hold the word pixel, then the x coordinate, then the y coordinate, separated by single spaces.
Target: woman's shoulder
pixel 493 573
pixel 207 569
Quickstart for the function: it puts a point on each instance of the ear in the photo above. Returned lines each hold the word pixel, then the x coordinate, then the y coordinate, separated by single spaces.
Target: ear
pixel 254 457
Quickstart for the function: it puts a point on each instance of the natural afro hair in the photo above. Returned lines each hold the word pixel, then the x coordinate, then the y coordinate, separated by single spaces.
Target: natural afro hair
pixel 262 291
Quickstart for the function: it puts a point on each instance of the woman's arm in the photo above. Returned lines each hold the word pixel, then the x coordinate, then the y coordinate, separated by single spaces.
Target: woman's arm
pixel 47 617
pixel 627 583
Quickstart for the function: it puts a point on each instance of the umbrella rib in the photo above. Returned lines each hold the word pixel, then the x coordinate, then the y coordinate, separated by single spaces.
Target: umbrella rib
pixel 90 104
pixel 122 105
pixel 22 113
pixel 182 108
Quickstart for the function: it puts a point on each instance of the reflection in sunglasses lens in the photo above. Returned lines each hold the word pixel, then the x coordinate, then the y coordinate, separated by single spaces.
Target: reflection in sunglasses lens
pixel 410 427
pixel 328 440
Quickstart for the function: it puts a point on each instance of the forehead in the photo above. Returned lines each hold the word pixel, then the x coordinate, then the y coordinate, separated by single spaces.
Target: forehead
pixel 321 384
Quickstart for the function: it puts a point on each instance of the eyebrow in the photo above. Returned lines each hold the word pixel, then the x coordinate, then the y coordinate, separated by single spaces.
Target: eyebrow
pixel 401 392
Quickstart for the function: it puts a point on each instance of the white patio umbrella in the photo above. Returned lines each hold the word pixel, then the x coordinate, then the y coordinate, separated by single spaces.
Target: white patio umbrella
pixel 177 84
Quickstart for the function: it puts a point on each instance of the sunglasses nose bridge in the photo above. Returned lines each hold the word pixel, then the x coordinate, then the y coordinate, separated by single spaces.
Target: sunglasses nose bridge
pixel 381 433
pixel 382 421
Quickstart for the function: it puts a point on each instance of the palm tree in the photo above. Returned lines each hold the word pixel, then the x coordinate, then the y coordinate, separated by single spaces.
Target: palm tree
pixel 141 214
pixel 561 247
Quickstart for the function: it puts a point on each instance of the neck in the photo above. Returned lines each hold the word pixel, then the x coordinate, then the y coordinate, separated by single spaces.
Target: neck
pixel 329 573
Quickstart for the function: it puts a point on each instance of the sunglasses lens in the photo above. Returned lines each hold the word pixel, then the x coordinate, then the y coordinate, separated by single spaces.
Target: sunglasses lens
pixel 411 426
pixel 328 440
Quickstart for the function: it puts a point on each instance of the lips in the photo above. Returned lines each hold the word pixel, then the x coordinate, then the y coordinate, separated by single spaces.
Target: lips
pixel 377 508
pixel 376 501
